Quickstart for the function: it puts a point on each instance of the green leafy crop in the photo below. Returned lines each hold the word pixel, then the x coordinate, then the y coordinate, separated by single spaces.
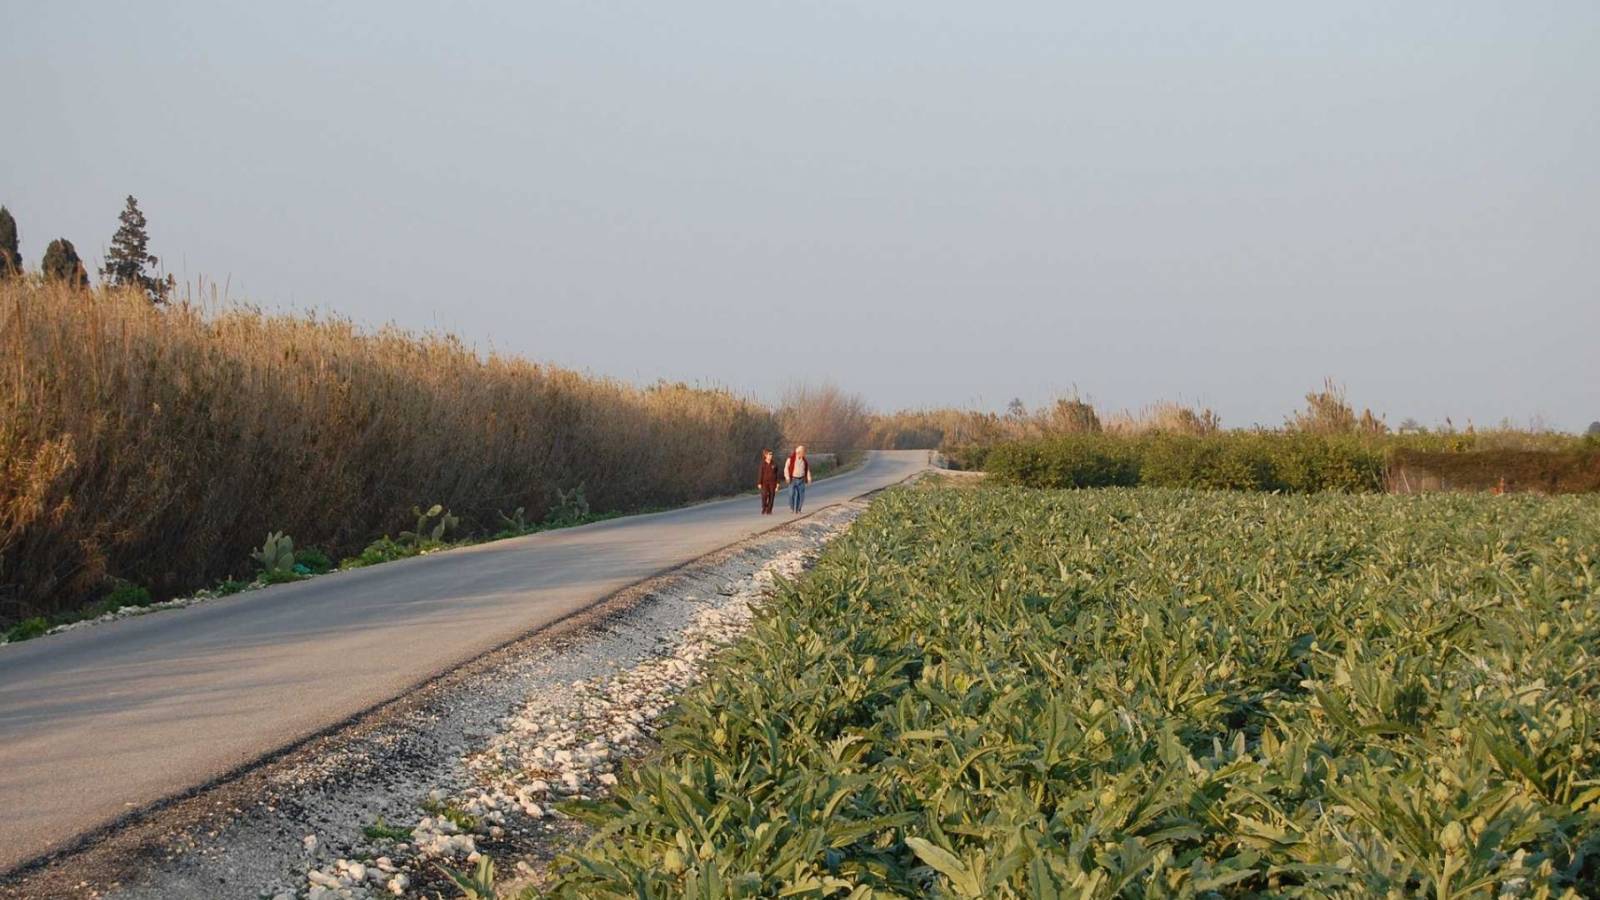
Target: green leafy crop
pixel 1147 693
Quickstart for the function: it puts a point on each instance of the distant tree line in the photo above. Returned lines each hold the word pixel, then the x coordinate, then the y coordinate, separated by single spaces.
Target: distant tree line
pixel 129 262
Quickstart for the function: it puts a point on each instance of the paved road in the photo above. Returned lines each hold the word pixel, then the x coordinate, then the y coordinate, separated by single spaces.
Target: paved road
pixel 108 719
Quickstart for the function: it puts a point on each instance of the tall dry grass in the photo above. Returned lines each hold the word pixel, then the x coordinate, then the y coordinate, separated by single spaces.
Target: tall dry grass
pixel 160 446
pixel 949 428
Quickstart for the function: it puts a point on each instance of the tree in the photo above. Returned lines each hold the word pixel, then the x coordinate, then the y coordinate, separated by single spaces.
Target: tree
pixel 61 263
pixel 1594 429
pixel 10 255
pixel 824 417
pixel 130 255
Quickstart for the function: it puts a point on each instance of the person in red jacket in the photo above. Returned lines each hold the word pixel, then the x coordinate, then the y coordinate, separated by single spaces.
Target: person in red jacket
pixel 767 480
pixel 798 472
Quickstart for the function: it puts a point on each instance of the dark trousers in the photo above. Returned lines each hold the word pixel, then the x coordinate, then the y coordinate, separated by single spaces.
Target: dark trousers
pixel 768 493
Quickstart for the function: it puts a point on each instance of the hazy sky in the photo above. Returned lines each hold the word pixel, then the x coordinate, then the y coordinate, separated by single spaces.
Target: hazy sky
pixel 928 202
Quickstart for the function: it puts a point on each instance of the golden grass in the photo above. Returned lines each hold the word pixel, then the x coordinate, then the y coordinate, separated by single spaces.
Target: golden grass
pixel 951 428
pixel 160 446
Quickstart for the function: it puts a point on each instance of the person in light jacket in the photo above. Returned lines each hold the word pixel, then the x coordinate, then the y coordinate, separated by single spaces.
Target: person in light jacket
pixel 798 473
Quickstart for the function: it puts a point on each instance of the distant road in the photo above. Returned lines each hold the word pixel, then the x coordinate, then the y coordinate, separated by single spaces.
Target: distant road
pixel 105 720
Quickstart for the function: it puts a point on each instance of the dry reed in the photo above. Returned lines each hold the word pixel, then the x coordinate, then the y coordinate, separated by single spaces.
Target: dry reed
pixel 160 446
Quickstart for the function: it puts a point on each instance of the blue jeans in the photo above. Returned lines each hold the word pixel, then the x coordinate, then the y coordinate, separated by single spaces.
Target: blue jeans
pixel 797 494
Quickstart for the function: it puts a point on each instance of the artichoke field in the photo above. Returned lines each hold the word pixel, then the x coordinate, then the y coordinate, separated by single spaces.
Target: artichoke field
pixel 1148 693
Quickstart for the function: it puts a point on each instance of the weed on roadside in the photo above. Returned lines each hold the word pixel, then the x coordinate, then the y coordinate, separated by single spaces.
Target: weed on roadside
pixel 383 831
pixel 463 820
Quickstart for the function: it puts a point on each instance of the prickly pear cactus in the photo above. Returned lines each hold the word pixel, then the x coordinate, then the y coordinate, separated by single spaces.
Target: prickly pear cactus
pixel 276 556
pixel 429 531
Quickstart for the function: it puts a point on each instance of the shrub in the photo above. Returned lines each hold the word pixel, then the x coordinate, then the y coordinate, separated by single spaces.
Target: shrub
pixel 125 594
pixel 62 265
pixel 1247 461
pixel 10 253
pixel 28 629
pixel 382 550
pixel 230 586
pixel 313 561
pixel 1078 461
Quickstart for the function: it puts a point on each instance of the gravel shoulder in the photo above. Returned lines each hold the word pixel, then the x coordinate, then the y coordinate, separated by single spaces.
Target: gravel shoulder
pixel 495 743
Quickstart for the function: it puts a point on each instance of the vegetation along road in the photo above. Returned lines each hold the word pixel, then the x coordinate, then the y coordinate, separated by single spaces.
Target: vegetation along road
pixel 101 721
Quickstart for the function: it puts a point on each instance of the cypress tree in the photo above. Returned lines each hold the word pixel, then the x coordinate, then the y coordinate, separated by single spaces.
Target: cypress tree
pixel 130 255
pixel 61 263
pixel 10 255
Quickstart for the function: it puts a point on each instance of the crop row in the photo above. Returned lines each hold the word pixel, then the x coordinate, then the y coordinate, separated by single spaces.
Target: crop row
pixel 1014 693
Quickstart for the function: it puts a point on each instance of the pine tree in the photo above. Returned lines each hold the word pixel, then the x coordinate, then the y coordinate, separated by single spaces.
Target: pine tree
pixel 10 255
pixel 61 263
pixel 130 255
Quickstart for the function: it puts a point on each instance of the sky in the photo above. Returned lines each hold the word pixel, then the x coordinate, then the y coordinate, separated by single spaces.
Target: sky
pixel 929 203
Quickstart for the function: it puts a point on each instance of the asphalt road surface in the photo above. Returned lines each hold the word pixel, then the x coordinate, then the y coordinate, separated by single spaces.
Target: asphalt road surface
pixel 105 720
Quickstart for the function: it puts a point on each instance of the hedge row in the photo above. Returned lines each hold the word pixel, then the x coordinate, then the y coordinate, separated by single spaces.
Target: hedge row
pixel 1282 461
pixel 1545 471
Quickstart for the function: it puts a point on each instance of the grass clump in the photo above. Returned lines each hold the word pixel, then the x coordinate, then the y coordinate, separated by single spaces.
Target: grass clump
pixel 1143 692
pixel 383 831
pixel 461 818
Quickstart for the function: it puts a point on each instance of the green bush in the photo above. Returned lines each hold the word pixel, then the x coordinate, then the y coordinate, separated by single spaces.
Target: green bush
pixel 313 561
pixel 1245 461
pixel 121 595
pixel 125 594
pixel 382 550
pixel 28 628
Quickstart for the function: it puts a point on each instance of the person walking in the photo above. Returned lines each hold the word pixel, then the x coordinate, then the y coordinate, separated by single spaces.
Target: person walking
pixel 767 480
pixel 798 472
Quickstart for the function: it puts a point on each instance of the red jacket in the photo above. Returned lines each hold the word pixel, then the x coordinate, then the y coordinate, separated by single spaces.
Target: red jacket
pixel 789 470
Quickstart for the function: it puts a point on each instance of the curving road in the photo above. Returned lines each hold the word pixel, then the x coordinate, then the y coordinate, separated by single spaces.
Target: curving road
pixel 108 719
